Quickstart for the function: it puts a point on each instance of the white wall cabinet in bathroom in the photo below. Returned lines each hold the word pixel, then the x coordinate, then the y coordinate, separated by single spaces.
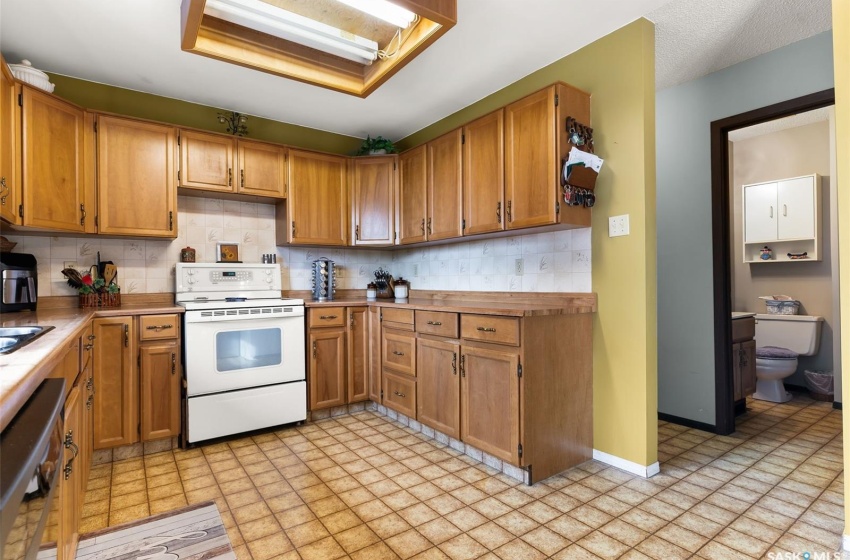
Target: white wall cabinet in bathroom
pixel 785 215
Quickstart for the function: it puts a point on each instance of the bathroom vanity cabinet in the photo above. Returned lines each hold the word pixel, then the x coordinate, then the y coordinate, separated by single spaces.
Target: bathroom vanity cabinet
pixel 743 357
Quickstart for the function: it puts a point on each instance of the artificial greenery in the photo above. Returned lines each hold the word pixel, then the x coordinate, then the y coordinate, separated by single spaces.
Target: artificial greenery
pixel 377 143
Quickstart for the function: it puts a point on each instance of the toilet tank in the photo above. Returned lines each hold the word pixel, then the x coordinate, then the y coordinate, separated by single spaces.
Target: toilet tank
pixel 798 333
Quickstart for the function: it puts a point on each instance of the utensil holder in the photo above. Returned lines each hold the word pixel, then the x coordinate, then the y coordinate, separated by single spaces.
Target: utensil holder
pixel 100 300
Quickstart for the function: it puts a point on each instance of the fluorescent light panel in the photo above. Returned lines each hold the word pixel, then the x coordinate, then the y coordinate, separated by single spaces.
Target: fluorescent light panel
pixel 284 24
pixel 381 9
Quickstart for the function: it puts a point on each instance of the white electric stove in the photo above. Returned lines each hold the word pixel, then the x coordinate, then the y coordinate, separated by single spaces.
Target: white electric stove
pixel 244 346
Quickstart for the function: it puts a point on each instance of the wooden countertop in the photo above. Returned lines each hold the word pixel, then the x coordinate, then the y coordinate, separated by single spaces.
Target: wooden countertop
pixel 25 369
pixel 482 303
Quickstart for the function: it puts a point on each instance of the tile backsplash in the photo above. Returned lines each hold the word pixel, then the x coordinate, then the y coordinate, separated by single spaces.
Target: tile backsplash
pixel 545 262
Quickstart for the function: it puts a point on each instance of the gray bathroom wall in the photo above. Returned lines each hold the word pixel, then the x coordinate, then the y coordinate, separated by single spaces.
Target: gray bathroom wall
pixel 683 117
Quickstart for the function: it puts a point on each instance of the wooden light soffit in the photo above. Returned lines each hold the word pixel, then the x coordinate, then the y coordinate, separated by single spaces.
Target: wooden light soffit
pixel 212 37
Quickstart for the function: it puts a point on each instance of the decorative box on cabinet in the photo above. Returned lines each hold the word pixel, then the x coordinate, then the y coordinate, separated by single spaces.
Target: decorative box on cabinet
pixel 786 216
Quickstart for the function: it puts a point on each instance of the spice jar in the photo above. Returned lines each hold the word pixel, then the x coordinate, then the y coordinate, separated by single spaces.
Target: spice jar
pixel 402 289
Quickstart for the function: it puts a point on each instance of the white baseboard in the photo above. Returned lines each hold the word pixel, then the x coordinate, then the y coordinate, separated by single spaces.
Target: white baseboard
pixel 628 466
pixel 845 543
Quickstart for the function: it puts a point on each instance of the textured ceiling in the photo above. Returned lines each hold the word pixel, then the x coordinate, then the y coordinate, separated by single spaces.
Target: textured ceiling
pixel 697 37
pixel 136 44
pixel 769 127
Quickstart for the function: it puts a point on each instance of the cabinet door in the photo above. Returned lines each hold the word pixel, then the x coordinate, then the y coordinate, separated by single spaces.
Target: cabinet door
pixel 373 209
pixel 317 199
pixel 438 392
pixel 206 161
pixel 530 161
pixel 327 367
pixel 490 401
pixel 262 169
pixel 10 136
pixel 375 354
pixel 484 174
pixel 748 368
pixel 736 372
pixel 137 183
pixel 796 209
pixel 53 164
pixel 159 378
pixel 87 418
pixel 413 187
pixel 357 344
pixel 116 412
pixel 760 213
pixel 70 486
pixel 445 197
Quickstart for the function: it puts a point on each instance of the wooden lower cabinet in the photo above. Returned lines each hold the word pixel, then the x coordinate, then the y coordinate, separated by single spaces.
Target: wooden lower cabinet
pixel 375 353
pixel 160 382
pixel 490 415
pixel 744 369
pixel 438 404
pixel 116 411
pixel 339 354
pixel 71 485
pixel 327 367
pixel 399 393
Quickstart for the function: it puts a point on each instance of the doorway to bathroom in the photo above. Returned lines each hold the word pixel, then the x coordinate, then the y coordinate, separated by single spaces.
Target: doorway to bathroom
pixel 761 148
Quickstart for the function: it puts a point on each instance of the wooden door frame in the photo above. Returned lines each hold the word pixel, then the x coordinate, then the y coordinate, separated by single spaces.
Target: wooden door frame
pixel 724 405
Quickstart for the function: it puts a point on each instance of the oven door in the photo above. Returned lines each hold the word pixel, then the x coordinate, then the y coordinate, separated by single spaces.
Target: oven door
pixel 233 352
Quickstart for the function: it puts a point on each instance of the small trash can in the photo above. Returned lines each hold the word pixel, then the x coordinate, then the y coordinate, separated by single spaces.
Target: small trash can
pixel 821 385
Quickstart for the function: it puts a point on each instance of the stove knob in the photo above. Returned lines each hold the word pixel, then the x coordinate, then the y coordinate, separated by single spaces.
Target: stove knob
pixel 268 272
pixel 192 280
pixel 268 280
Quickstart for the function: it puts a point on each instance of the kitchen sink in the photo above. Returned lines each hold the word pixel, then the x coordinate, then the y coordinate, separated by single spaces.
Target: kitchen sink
pixel 12 338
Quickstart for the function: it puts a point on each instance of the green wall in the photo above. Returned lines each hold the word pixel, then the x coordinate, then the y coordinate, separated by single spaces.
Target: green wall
pixel 132 103
pixel 619 72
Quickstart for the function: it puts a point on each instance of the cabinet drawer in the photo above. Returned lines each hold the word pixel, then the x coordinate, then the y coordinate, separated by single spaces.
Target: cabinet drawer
pixel 327 317
pixel 437 322
pixel 489 328
pixel 399 351
pixel 404 316
pixel 743 329
pixel 159 327
pixel 400 393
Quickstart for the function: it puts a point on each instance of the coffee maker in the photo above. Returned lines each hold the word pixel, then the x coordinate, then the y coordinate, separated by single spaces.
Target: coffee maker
pixel 19 277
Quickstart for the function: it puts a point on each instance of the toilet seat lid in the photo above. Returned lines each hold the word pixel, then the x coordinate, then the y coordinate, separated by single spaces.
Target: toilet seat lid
pixel 776 353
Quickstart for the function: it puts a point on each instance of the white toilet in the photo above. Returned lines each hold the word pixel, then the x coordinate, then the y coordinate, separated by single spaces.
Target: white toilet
pixel 780 339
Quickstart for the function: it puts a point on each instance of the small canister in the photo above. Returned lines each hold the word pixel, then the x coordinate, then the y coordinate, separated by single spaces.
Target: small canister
pixel 401 289
pixel 371 292
pixel 324 279
pixel 187 255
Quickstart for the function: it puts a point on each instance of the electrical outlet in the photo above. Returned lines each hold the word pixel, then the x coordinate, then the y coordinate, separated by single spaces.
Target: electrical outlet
pixel 70 264
pixel 518 267
pixel 618 225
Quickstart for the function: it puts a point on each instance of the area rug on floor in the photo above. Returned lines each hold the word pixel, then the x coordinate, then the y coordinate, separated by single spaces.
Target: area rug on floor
pixel 191 533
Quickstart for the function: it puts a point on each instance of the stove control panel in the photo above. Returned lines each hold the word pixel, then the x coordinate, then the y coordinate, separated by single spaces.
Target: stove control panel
pixel 224 277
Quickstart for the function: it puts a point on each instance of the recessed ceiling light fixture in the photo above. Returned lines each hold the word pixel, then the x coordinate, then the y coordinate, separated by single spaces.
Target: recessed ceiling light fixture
pixel 278 22
pixel 381 9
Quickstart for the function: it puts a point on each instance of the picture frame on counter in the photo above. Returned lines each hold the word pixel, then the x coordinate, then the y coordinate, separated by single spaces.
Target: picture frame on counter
pixel 227 252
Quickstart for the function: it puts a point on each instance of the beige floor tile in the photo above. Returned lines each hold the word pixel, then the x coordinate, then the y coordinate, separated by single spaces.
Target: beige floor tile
pixel 306 533
pixel 294 517
pixel 389 525
pixel 545 540
pixel 408 544
pixel 660 549
pixel 466 519
pixel 462 547
pixel 377 551
pixel 575 552
pixel 325 549
pixel 624 532
pixel 684 538
pixel 439 530
pixel 269 547
pixel 491 536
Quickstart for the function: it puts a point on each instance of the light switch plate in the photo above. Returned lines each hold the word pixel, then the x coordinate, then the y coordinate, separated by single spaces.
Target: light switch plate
pixel 618 225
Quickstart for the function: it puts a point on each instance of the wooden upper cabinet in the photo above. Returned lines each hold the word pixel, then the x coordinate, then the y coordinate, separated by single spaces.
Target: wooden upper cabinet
pixel 373 197
pixel 54 193
pixel 262 169
pixel 445 201
pixel 413 187
pixel 484 174
pixel 10 151
pixel 136 177
pixel 207 161
pixel 317 205
pixel 530 163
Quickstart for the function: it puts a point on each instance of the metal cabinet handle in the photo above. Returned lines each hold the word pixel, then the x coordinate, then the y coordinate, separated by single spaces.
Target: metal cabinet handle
pixel 429 226
pixel 4 191
pixel 508 212
pixel 435 323
pixel 91 337
pixel 326 317
pixel 396 393
pixel 89 402
pixel 499 212
pixel 397 353
pixel 173 363
pixel 69 444
pixel 422 225
pixel 357 232
pixel 784 209
pixel 462 365
pixel 82 214
pixel 771 211
pixel 159 327
pixel 315 350
pixel 241 178
pixel 487 329
pixel 229 177
pixel 126 336
pixel 88 346
pixel 454 363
